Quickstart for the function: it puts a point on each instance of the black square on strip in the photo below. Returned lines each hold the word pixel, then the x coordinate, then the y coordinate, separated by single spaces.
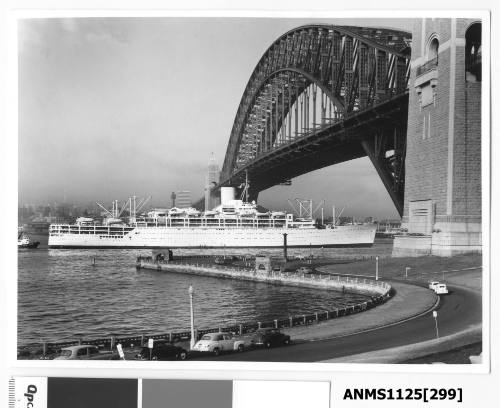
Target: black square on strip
pixel 187 393
pixel 91 393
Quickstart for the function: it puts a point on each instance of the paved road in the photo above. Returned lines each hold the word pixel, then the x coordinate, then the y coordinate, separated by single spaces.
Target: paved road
pixel 456 311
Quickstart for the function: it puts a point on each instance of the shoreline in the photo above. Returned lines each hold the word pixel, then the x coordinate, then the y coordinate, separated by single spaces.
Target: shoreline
pixel 411 297
pixel 376 293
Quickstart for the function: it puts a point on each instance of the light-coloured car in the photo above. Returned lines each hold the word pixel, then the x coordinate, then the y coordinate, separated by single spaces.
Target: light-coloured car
pixel 432 285
pixel 85 352
pixel 219 342
pixel 441 289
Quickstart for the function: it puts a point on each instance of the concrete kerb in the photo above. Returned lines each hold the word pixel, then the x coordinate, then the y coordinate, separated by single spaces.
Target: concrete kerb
pixel 408 352
pixel 361 331
pixel 326 332
pixel 401 354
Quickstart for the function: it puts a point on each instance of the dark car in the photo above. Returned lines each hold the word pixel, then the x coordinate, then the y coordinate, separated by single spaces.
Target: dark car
pixel 269 338
pixel 162 351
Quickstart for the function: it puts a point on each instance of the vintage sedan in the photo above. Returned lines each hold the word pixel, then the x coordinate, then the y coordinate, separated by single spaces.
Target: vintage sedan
pixel 85 352
pixel 433 284
pixel 269 338
pixel 304 270
pixel 217 343
pixel 162 350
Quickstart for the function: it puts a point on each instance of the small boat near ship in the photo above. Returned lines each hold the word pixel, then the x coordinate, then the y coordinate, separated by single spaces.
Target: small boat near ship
pixel 24 241
pixel 388 231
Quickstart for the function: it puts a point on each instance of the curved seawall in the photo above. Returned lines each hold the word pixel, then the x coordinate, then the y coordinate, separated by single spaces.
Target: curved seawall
pixel 363 286
pixel 377 291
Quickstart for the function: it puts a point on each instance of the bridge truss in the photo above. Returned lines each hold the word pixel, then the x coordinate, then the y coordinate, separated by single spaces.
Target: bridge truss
pixel 321 95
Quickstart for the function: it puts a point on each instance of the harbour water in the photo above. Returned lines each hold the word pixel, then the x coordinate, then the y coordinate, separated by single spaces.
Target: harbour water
pixel 62 295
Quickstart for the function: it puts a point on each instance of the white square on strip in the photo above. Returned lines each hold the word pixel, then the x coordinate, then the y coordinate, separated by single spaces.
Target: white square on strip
pixel 289 394
pixel 29 392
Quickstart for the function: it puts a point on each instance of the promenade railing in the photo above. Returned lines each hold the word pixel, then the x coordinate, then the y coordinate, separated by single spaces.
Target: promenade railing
pixel 241 328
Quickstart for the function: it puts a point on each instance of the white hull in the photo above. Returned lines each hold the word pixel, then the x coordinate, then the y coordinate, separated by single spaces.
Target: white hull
pixel 170 237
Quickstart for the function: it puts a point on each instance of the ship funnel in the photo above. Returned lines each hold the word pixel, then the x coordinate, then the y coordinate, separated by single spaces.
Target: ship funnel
pixel 227 194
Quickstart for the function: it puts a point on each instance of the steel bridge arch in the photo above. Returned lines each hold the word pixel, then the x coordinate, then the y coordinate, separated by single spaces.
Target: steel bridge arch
pixel 355 69
pixel 336 99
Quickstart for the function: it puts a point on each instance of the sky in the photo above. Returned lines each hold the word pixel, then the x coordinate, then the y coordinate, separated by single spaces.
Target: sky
pixel 112 107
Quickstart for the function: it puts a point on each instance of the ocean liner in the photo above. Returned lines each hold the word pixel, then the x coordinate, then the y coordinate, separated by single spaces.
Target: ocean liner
pixel 233 224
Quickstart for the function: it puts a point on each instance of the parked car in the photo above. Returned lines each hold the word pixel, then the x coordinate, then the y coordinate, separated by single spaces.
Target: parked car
pixel 219 342
pixel 432 285
pixel 85 352
pixel 162 350
pixel 269 338
pixel 441 289
pixel 304 269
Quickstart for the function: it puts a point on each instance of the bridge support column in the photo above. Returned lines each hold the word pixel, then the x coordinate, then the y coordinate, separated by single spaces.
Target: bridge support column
pixel 442 209
pixel 376 150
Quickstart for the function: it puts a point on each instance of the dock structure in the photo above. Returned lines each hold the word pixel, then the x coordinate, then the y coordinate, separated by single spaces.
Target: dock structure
pixel 264 273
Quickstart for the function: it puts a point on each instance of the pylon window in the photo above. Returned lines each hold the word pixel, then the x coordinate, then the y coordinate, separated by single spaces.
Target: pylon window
pixel 473 53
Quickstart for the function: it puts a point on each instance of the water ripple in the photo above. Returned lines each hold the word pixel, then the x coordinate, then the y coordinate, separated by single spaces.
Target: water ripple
pixel 61 295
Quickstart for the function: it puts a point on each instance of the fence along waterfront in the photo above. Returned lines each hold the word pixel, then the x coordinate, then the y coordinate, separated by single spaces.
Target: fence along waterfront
pixel 382 290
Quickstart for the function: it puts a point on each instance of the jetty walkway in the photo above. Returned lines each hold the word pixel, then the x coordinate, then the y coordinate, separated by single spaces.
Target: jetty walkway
pixel 365 286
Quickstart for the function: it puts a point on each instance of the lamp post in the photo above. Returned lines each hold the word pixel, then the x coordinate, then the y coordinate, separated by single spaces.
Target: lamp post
pixel 191 291
pixel 435 315
pixel 285 247
pixel 376 268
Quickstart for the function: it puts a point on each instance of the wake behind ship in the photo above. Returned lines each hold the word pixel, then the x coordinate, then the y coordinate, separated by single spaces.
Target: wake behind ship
pixel 234 224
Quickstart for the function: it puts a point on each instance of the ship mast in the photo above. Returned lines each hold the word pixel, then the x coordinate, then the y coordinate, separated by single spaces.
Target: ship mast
pixel 246 186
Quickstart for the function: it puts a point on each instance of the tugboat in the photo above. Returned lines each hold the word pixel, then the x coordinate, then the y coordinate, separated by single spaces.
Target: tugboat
pixel 24 241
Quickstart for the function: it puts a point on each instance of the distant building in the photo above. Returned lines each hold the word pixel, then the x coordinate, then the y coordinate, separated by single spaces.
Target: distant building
pixel 212 179
pixel 173 196
pixel 396 223
pixel 183 199
pixel 213 171
pixel 346 220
